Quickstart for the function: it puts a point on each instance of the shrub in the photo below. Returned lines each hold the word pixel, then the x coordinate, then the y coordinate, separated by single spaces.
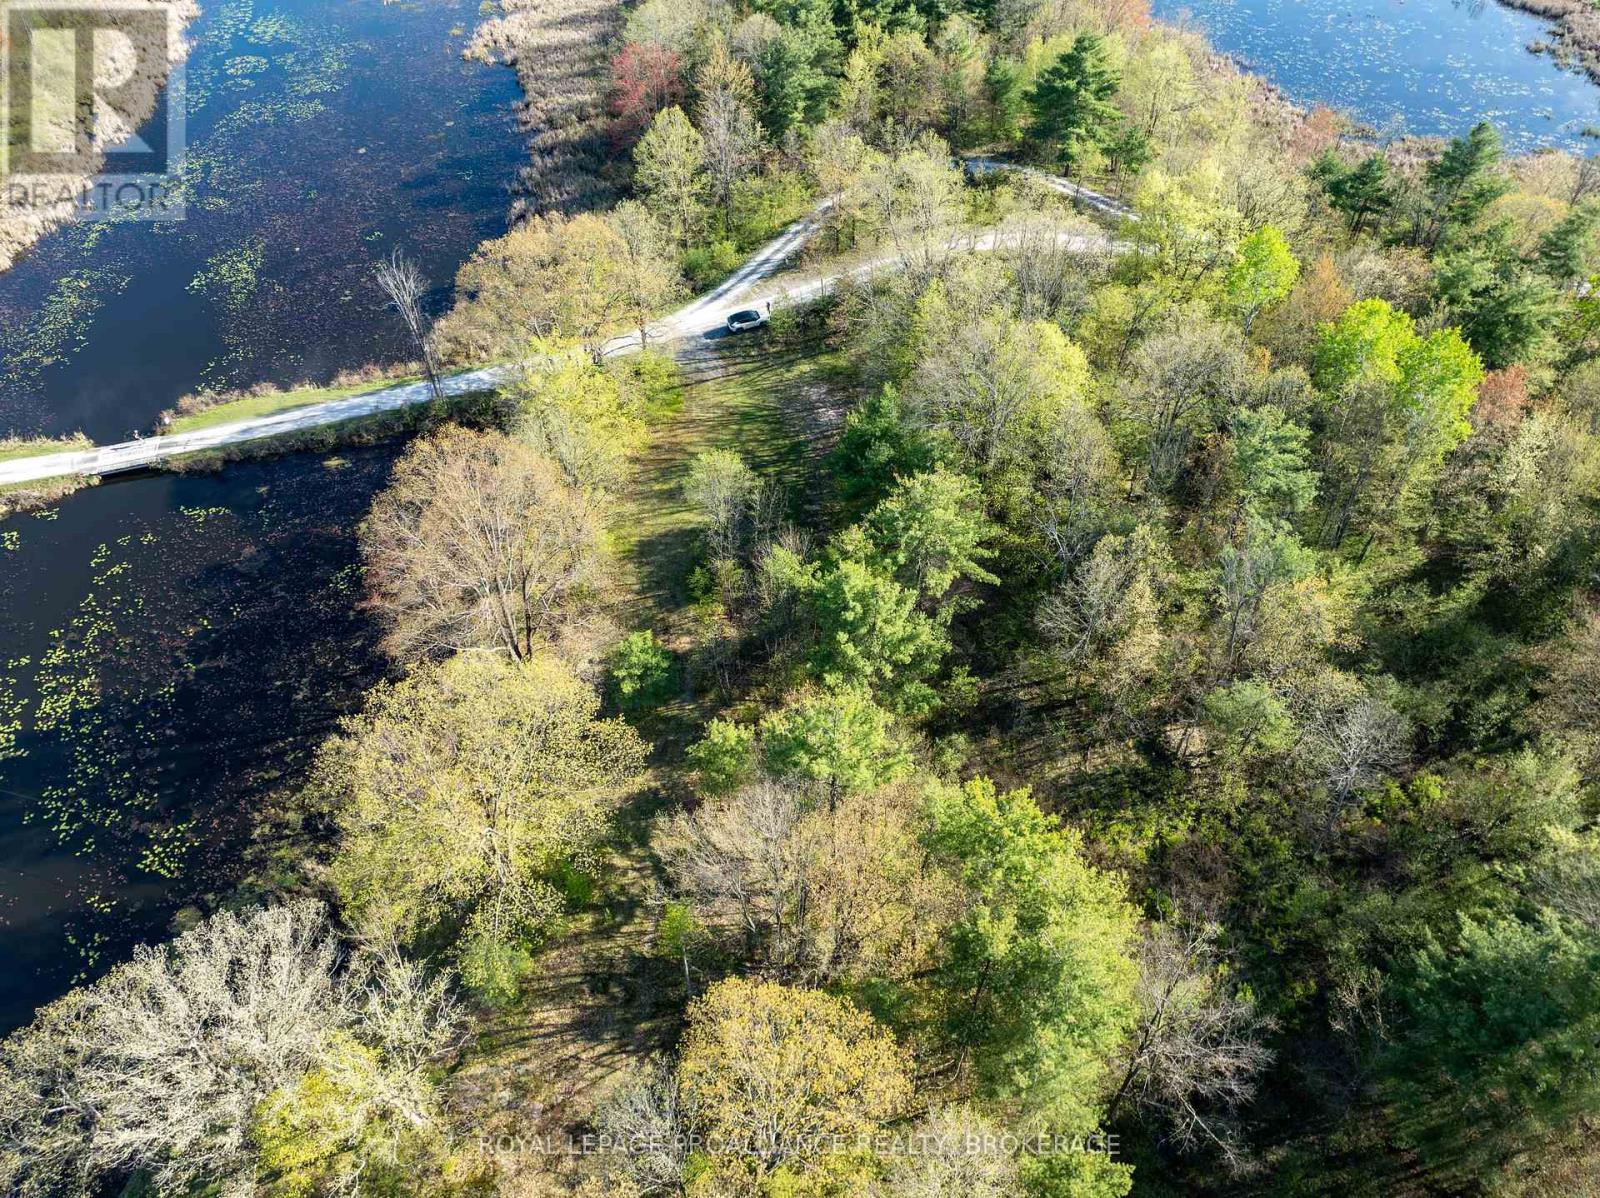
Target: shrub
pixel 650 383
pixel 641 668
pixel 725 758
pixel 493 970
pixel 708 265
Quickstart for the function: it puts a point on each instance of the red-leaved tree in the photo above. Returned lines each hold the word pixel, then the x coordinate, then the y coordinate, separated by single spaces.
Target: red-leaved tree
pixel 645 78
pixel 1502 398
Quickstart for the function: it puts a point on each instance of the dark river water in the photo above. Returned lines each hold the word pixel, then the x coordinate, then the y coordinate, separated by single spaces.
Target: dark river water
pixel 172 647
pixel 1408 66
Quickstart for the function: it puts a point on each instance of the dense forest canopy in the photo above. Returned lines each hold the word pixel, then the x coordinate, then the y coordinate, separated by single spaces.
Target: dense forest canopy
pixel 1143 739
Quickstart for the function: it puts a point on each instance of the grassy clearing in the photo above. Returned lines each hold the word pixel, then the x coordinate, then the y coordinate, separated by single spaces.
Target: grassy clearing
pixel 775 405
pixel 605 993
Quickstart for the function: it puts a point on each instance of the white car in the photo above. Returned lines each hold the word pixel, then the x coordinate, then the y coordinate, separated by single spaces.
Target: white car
pixel 746 318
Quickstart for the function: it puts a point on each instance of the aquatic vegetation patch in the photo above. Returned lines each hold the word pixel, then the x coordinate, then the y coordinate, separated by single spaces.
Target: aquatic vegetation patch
pixel 59 328
pixel 274 28
pixel 12 707
pixel 232 276
pixel 168 848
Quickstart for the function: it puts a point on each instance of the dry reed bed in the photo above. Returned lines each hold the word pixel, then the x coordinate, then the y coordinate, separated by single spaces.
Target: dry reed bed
pixel 1577 31
pixel 560 51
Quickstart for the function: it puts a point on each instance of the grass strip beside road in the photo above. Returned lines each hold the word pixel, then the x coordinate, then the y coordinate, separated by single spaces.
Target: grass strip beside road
pixel 250 407
pixel 31 447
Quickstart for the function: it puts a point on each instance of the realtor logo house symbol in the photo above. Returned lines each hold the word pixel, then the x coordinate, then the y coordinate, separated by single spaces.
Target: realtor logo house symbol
pixel 93 106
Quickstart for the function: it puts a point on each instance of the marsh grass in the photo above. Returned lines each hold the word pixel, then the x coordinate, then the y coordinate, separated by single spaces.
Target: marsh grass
pixel 559 51
pixel 28 447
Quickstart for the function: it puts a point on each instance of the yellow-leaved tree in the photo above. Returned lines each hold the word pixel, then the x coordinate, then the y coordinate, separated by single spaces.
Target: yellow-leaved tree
pixel 774 1077
pixel 480 542
pixel 464 794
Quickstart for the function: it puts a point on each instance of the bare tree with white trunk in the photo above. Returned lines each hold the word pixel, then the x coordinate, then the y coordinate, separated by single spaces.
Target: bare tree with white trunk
pixel 955 1153
pixel 1351 746
pixel 401 281
pixel 645 1125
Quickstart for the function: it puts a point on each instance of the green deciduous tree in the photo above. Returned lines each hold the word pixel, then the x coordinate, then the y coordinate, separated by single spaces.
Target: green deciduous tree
pixel 1264 273
pixel 727 493
pixel 916 202
pixel 844 167
pixel 1077 484
pixel 992 389
pixel 640 669
pixel 574 414
pixel 778 1076
pixel 646 277
pixel 1183 244
pixel 1365 340
pixel 465 789
pixel 1037 978
pixel 724 759
pixel 891 86
pixel 549 278
pixel 1394 404
pixel 669 169
pixel 725 116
